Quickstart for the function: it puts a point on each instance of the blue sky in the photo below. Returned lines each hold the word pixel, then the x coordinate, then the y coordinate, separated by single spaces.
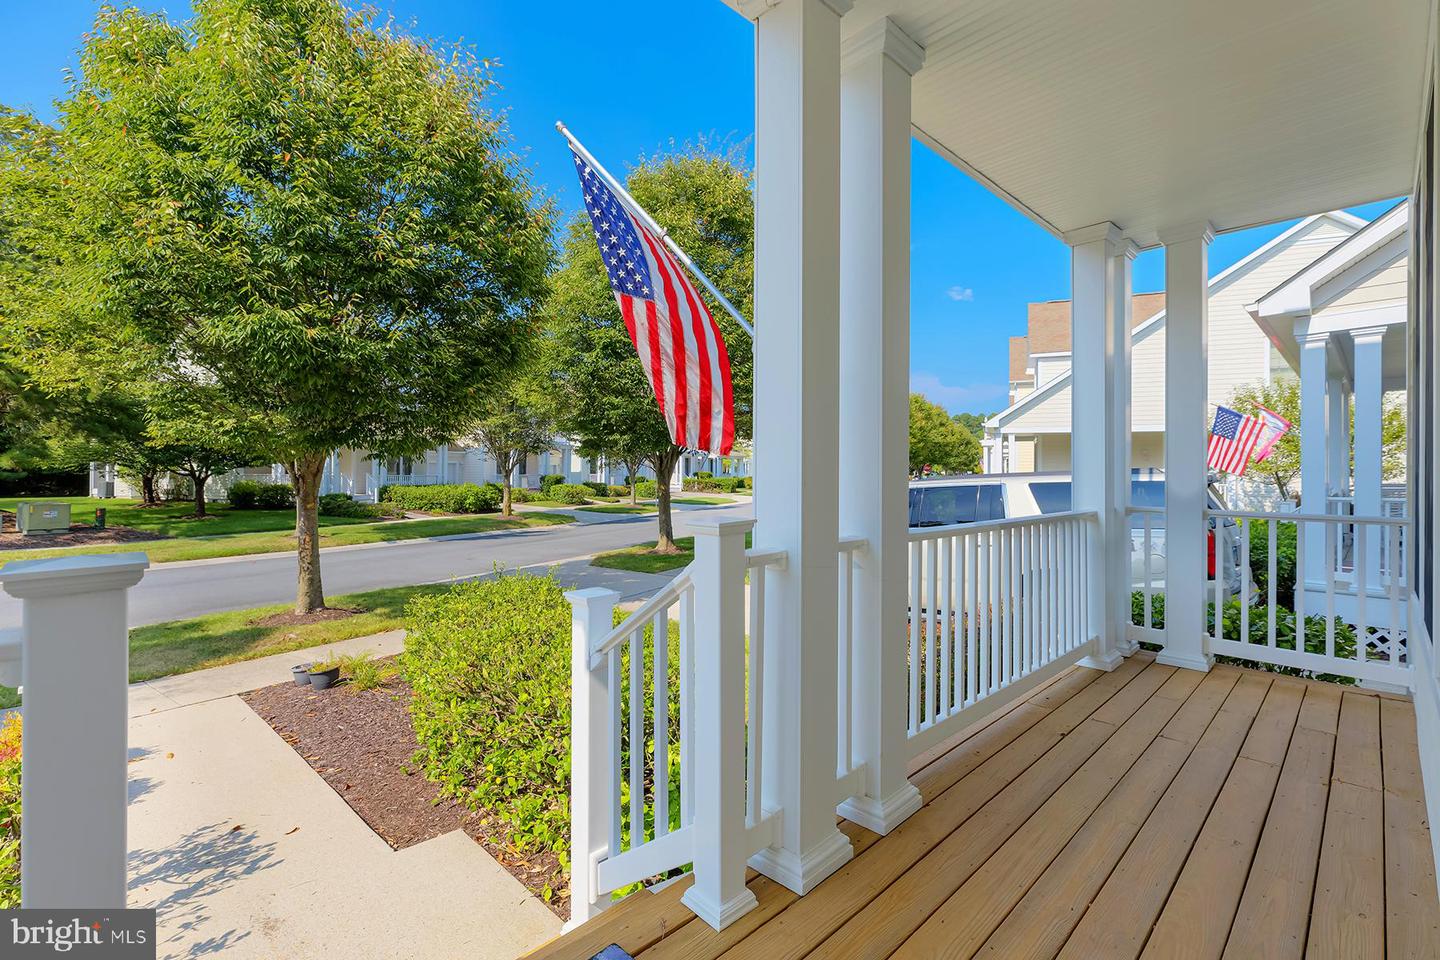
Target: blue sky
pixel 976 262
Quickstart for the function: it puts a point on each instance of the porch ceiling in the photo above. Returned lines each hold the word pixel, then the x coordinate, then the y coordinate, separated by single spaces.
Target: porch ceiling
pixel 1159 114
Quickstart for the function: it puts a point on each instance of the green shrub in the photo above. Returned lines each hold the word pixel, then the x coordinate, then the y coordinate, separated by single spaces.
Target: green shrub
pixel 575 494
pixel 344 505
pixel 746 483
pixel 646 490
pixel 1259 630
pixel 522 495
pixel 489 664
pixel 702 475
pixel 10 813
pixel 364 672
pixel 444 498
pixel 615 490
pixel 1284 561
pixel 550 480
pixel 252 495
pixel 699 484
pixel 598 487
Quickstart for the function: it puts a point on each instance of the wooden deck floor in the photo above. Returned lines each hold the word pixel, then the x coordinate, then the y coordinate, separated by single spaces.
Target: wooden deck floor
pixel 1149 812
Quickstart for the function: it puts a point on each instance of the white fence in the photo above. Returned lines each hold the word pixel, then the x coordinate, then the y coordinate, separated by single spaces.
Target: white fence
pixel 995 606
pixel 667 733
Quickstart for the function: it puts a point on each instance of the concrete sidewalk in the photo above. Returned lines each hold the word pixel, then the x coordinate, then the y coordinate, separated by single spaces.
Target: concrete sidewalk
pixel 244 850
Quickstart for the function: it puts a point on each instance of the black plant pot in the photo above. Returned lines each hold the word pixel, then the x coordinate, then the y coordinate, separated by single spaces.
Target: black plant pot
pixel 325 679
pixel 301 674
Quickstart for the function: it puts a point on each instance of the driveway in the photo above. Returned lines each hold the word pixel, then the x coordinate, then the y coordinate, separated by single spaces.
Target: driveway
pixel 174 591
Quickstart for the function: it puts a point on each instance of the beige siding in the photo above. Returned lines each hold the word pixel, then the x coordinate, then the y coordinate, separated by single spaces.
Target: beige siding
pixel 1388 286
pixel 1053 452
pixel 1048 368
pixel 1239 351
pixel 1147 450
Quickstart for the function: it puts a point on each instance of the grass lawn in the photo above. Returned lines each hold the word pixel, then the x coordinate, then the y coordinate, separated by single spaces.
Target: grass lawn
pixel 641 558
pixel 700 501
pixel 167 551
pixel 180 646
pixel 172 518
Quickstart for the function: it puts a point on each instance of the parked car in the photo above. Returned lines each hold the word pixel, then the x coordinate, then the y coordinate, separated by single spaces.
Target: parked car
pixel 976 498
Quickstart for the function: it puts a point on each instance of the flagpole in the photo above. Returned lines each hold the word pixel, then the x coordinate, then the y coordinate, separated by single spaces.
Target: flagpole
pixel 649 221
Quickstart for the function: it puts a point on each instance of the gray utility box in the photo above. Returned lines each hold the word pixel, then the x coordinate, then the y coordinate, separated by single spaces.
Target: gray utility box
pixel 42 517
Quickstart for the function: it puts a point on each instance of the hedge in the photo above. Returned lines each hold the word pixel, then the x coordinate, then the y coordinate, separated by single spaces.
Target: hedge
pixel 699 484
pixel 444 498
pixel 1345 633
pixel 550 480
pixel 1284 561
pixel 344 505
pixel 646 490
pixel 575 494
pixel 252 495
pixel 489 666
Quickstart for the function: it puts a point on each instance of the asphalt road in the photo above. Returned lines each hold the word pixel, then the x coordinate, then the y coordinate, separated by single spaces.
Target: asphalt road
pixel 176 591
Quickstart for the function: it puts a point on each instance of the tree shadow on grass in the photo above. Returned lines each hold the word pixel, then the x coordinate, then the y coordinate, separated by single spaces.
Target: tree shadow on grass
pixel 178 880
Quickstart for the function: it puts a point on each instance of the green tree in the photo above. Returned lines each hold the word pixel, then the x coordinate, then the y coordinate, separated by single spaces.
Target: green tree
pixel 299 208
pixel 938 442
pixel 702 197
pixel 515 420
pixel 1282 395
pixel 973 422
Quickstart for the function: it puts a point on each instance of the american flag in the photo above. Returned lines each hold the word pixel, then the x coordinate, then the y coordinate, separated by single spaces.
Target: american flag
pixel 1276 427
pixel 1232 438
pixel 672 329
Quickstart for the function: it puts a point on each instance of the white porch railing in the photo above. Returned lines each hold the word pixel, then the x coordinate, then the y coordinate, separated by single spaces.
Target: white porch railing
pixel 1348 619
pixel 995 606
pixel 693 795
pixel 412 479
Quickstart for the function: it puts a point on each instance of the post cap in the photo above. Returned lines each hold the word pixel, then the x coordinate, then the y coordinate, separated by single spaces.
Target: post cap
pixel 718 527
pixel 65 576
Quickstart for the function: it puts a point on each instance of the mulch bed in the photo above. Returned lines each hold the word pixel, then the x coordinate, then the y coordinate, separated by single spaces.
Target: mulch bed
pixel 291 619
pixel 361 743
pixel 79 534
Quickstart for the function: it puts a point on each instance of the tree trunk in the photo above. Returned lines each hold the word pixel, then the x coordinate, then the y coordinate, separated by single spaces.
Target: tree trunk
pixel 148 497
pixel 632 471
pixel 198 480
pixel 664 467
pixel 305 479
pixel 505 510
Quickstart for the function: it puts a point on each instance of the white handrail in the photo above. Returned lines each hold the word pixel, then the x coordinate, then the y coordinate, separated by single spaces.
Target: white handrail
pixel 663 598
pixel 927 533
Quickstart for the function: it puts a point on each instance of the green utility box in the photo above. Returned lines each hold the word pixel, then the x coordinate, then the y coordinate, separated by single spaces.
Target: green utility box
pixel 42 517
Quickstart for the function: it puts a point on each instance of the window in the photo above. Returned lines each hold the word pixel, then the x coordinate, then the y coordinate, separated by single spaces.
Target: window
pixel 941 506
pixel 1051 496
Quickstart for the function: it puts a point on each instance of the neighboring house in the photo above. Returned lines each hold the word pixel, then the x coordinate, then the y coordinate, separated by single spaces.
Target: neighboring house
pixel 354 472
pixel 1033 433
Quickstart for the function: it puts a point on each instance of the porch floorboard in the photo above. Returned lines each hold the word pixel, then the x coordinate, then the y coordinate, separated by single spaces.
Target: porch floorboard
pixel 1148 812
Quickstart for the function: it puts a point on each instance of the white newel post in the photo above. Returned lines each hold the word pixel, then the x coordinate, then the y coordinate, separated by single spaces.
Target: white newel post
pixel 797 292
pixel 1187 422
pixel 75 674
pixel 719 895
pixel 1369 446
pixel 594 794
pixel 1100 412
pixel 1314 371
pixel 875 406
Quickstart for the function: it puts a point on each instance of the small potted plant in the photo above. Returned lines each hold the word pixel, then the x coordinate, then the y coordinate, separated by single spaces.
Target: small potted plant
pixel 325 674
pixel 300 673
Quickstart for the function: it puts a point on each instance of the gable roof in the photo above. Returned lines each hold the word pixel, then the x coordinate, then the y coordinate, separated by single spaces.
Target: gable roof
pixel 1150 325
pixel 1048 328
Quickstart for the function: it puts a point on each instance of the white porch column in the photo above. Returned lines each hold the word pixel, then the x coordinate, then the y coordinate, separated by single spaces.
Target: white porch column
pixel 1187 311
pixel 1337 470
pixel 797 287
pixel 75 674
pixel 1369 447
pixel 442 456
pixel 1314 369
pixel 1100 431
pixel 875 404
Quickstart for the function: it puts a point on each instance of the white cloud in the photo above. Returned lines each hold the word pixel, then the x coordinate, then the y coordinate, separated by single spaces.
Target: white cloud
pixel 955 398
pixel 963 294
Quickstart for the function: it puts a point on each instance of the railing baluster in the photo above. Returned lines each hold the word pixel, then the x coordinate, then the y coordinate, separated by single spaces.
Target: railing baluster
pixel 1362 587
pixel 972 627
pixel 662 722
pixel 687 713
pixel 1148 587
pixel 1330 542
pixel 1244 581
pixel 988 658
pixel 1301 577
pixel 637 739
pixel 1394 642
pixel 914 631
pixel 754 696
pixel 1271 527
pixel 947 574
pixel 614 733
pixel 932 602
